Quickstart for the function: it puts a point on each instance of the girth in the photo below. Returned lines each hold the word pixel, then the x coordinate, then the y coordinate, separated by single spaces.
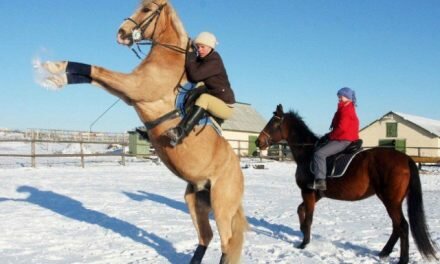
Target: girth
pixel 168 116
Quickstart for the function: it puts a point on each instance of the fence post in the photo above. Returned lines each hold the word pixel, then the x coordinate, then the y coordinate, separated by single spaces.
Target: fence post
pixel 123 155
pixel 280 152
pixel 239 149
pixel 33 150
pixel 82 152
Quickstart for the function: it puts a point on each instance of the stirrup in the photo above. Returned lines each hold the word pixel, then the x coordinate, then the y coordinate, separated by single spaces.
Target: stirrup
pixel 175 135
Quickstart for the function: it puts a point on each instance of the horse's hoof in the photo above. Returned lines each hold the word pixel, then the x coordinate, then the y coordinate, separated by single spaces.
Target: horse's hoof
pixel 384 253
pixel 198 255
pixel 55 67
pixel 55 81
pixel 302 246
pixel 223 259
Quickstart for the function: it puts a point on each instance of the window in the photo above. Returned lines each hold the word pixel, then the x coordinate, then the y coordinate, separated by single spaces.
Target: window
pixel 391 129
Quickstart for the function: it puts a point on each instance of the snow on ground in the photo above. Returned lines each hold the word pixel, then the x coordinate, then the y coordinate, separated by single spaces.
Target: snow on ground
pixel 136 214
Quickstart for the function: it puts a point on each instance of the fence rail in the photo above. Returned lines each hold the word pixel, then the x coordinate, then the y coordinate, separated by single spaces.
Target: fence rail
pixel 33 155
pixel 241 147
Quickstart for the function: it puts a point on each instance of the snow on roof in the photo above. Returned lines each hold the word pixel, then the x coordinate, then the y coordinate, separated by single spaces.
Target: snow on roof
pixel 245 118
pixel 431 125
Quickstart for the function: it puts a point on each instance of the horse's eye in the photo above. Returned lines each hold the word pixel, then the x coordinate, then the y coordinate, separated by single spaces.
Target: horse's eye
pixel 146 9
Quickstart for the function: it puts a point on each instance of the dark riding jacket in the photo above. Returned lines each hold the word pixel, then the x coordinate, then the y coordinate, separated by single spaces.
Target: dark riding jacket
pixel 212 72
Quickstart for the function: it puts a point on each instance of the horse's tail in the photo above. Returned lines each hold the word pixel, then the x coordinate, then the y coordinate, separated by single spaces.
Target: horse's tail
pixel 239 227
pixel 419 228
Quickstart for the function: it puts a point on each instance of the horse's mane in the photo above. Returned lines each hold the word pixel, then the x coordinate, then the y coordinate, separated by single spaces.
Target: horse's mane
pixel 302 131
pixel 176 22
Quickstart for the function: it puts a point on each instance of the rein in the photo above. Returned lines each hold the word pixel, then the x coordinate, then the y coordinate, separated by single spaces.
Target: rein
pixel 175 112
pixel 137 34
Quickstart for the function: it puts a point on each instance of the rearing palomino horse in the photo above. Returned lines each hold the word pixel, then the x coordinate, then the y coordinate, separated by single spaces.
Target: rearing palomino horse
pixel 205 160
pixel 388 173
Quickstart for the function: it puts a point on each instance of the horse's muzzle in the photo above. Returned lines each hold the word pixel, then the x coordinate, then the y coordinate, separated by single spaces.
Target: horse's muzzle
pixel 124 38
pixel 261 144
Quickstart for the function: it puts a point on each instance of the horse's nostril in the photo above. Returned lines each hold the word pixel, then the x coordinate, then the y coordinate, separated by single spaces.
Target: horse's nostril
pixel 122 33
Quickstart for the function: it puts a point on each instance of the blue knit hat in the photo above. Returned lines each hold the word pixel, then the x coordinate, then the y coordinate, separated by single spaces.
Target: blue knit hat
pixel 348 93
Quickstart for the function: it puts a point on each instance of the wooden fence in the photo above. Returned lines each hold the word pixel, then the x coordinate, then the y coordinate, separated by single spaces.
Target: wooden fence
pixel 277 152
pixel 33 155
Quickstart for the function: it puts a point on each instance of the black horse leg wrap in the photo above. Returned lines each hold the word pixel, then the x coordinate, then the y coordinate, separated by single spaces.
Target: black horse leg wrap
pixel 198 255
pixel 78 72
pixel 78 68
pixel 76 78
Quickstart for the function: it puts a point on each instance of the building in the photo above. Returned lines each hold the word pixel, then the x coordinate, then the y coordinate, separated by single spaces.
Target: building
pixel 415 135
pixel 243 128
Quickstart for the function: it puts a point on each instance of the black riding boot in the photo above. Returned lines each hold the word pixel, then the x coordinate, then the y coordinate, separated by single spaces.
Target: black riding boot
pixel 185 126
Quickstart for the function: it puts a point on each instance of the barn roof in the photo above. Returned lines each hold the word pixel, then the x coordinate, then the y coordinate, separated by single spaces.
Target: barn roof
pixel 245 118
pixel 430 125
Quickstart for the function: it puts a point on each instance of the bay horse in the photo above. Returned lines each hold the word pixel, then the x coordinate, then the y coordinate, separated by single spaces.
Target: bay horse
pixel 205 160
pixel 386 172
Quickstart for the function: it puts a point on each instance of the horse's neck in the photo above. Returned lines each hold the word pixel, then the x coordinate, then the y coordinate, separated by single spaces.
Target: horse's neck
pixel 300 140
pixel 163 71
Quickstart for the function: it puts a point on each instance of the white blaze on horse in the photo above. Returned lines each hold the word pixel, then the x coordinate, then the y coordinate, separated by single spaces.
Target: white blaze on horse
pixel 204 159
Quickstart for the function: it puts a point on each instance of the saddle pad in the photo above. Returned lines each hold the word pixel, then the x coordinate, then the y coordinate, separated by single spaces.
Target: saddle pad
pixel 180 105
pixel 336 167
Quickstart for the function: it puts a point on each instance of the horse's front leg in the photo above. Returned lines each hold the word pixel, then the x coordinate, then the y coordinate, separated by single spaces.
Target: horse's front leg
pixel 62 73
pixel 305 214
pixel 301 211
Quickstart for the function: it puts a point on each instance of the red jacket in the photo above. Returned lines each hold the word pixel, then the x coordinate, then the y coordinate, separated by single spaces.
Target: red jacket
pixel 345 123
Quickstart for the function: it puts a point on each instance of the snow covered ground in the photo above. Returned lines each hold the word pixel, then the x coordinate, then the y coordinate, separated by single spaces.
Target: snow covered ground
pixel 108 213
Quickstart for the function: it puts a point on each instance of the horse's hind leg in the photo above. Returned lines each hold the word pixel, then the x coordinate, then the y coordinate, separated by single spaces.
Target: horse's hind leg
pixel 199 208
pixel 400 230
pixel 226 196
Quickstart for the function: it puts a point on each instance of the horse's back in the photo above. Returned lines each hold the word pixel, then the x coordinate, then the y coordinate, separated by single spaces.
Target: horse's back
pixel 388 167
pixel 370 172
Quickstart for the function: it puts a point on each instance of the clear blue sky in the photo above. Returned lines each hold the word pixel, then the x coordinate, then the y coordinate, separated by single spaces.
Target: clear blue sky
pixel 298 53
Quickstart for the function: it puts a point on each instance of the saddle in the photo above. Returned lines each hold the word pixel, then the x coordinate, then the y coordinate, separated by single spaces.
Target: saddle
pixel 338 163
pixel 185 99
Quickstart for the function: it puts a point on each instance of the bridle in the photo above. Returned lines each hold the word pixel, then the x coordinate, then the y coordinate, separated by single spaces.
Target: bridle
pixel 138 31
pixel 277 119
pixel 137 34
pixel 280 120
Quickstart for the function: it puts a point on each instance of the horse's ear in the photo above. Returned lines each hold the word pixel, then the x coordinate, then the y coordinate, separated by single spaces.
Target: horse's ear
pixel 280 111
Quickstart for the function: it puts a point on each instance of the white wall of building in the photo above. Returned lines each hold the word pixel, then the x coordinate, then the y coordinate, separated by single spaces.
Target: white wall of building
pixel 239 141
pixel 414 136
